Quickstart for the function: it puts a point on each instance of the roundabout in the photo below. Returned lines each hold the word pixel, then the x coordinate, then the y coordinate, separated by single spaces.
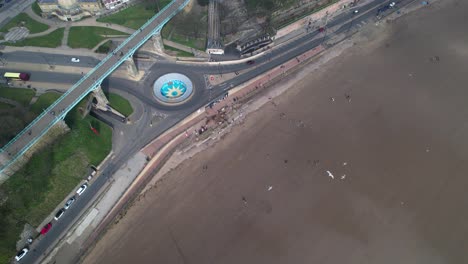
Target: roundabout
pixel 173 88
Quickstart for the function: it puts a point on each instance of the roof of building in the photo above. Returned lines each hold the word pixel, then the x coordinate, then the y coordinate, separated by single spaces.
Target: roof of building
pixel 88 1
pixel 46 1
pixel 110 1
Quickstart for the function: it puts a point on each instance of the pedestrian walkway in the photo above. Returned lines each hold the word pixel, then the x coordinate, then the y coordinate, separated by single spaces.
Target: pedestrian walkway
pixel 65 36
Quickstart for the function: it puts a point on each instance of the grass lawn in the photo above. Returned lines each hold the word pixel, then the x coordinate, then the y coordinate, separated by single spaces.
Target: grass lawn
pixel 25 20
pixel 36 8
pixel 50 175
pixel 52 40
pixel 189 29
pixel 21 95
pixel 43 102
pixel 120 104
pixel 134 16
pixel 198 44
pixel 5 106
pixel 105 47
pixel 89 37
pixel 179 53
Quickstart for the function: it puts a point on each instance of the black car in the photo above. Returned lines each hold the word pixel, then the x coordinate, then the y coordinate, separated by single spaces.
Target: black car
pixel 59 214
pixel 250 62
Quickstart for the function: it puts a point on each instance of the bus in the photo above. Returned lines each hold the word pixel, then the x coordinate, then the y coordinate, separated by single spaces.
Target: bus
pixel 16 76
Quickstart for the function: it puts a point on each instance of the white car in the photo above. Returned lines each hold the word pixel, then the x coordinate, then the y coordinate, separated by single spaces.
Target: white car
pixel 392 4
pixel 75 60
pixel 21 254
pixel 356 11
pixel 81 189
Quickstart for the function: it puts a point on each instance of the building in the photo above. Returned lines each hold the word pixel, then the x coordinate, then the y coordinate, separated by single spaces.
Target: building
pixel 112 4
pixel 70 10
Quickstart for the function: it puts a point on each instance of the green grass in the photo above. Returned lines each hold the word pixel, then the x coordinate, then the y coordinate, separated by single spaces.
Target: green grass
pixel 134 16
pixel 52 40
pixel 105 47
pixel 44 101
pixel 26 21
pixel 179 53
pixel 36 8
pixel 89 37
pixel 5 106
pixel 50 175
pixel 120 104
pixel 198 44
pixel 284 23
pixel 21 95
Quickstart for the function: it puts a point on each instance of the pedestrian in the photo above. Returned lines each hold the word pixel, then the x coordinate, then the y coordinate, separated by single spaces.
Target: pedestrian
pixel 244 200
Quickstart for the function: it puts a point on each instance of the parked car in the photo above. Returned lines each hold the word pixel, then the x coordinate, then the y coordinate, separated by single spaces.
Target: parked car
pixel 93 171
pixel 250 62
pixel 392 4
pixel 75 60
pixel 21 253
pixel 321 29
pixel 69 203
pixel 59 214
pixel 46 228
pixel 355 11
pixel 82 189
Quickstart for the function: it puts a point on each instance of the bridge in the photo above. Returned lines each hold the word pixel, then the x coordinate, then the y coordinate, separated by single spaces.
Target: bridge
pixel 91 82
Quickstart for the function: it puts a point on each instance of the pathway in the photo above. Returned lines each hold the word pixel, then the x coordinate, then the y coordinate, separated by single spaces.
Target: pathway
pixel 65 36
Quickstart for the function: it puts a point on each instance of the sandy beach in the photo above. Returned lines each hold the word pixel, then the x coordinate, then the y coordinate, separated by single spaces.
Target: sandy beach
pixel 361 161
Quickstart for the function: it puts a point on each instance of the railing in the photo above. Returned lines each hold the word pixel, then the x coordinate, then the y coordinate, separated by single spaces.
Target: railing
pixel 95 84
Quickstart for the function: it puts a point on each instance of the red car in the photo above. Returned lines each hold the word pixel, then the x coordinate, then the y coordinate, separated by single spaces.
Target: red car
pixel 46 228
pixel 322 29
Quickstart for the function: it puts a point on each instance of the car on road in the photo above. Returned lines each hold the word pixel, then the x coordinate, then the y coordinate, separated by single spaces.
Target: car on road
pixel 250 62
pixel 81 189
pixel 59 214
pixel 94 169
pixel 46 228
pixel 321 29
pixel 69 202
pixel 392 4
pixel 355 11
pixel 21 253
pixel 75 60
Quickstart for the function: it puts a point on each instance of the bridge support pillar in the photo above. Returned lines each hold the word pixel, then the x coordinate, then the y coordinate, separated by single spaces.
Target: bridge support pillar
pixel 102 102
pixel 158 43
pixel 131 67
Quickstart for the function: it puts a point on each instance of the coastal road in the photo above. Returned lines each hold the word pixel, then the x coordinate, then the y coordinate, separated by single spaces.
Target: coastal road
pixel 142 133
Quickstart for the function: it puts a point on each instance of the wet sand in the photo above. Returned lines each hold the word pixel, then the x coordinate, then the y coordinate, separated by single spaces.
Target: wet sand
pixel 401 142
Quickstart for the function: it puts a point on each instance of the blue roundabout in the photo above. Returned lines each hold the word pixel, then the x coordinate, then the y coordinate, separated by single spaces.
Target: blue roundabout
pixel 173 88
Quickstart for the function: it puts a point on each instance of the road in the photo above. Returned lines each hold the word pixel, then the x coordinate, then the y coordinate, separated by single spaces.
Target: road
pixel 141 133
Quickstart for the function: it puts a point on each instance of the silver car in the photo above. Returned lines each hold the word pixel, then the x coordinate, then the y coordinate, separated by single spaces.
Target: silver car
pixel 69 203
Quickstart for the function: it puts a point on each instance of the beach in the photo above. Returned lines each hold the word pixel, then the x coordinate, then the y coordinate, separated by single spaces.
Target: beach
pixel 360 161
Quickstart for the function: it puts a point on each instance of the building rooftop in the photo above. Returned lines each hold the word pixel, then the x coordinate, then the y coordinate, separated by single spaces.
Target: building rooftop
pixel 46 1
pixel 88 1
